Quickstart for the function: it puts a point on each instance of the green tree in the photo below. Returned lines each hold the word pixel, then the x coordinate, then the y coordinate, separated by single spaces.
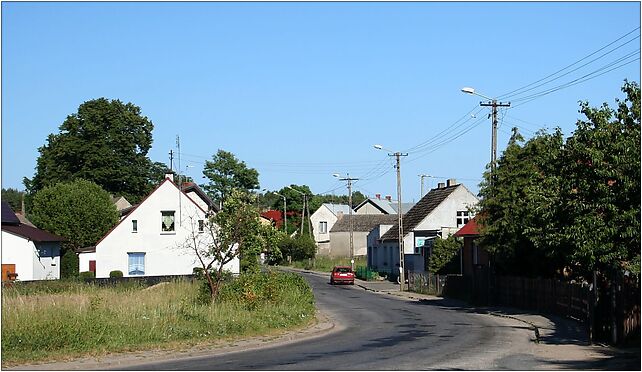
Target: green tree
pixel 298 248
pixel 79 211
pixel 234 232
pixel 227 173
pixel 13 197
pixel 601 194
pixel 554 207
pixel 105 142
pixel 443 253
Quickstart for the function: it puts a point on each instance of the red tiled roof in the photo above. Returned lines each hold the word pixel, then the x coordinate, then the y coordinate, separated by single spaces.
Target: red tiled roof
pixel 272 215
pixel 469 229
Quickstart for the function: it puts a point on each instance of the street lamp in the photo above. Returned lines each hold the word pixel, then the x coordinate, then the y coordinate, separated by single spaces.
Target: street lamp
pixel 422 176
pixel 305 203
pixel 494 104
pixel 285 212
pixel 402 279
pixel 347 178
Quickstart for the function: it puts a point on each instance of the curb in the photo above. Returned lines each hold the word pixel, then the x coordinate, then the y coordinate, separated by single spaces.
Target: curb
pixel 533 326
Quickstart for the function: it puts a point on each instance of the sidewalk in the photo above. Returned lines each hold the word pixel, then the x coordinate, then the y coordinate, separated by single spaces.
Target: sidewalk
pixel 557 340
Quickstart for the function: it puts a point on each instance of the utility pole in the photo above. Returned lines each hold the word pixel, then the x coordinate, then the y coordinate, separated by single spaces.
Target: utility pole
pixel 285 212
pixel 402 273
pixel 349 180
pixel 493 151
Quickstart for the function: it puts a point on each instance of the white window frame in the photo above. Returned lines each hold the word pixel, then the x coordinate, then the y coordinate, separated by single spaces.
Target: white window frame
pixel 133 256
pixel 172 228
pixel 462 218
pixel 323 227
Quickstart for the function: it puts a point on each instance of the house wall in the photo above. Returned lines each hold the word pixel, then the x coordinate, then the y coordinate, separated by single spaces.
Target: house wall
pixel 29 264
pixel 340 244
pixel 83 260
pixel 18 251
pixel 165 253
pixel 46 261
pixel 445 214
pixel 368 208
pixel 322 214
pixel 197 199
pixel 469 261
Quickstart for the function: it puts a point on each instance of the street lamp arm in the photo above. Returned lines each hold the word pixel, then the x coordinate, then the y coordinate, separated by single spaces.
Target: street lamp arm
pixel 469 90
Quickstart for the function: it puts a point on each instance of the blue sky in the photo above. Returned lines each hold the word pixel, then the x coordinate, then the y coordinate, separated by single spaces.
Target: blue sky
pixel 300 91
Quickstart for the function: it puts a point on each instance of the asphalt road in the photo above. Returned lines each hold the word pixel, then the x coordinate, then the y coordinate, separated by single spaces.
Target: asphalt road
pixel 383 333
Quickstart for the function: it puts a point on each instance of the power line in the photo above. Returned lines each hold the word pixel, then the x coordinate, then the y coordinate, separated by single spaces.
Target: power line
pixel 509 94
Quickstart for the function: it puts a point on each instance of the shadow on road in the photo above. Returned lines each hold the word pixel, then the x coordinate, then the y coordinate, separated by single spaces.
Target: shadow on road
pixel 555 330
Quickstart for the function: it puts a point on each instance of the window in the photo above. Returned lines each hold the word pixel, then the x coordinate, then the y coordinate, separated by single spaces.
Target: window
pixel 323 227
pixel 134 226
pixel 167 221
pixel 462 218
pixel 136 264
pixel 201 226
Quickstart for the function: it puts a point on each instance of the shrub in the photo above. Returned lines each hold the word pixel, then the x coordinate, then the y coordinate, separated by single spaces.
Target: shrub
pixel 116 274
pixel 299 248
pixel 87 275
pixel 69 264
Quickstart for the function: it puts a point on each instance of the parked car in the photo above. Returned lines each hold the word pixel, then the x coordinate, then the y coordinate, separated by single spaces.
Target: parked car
pixel 342 274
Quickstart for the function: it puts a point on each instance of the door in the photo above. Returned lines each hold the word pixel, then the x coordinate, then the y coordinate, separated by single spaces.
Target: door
pixel 6 270
pixel 92 266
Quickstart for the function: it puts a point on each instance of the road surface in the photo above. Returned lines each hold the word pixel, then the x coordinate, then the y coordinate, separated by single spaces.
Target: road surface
pixel 380 332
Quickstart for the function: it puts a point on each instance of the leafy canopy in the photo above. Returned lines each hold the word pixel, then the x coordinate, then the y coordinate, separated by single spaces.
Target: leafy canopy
pixel 574 206
pixel 226 173
pixel 105 142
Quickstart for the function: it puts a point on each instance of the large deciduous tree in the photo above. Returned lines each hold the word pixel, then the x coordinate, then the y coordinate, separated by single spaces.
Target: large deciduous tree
pixel 227 173
pixel 568 207
pixel 105 142
pixel 80 211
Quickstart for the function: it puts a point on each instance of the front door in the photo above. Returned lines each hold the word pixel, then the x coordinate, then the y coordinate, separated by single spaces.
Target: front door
pixel 92 266
pixel 6 270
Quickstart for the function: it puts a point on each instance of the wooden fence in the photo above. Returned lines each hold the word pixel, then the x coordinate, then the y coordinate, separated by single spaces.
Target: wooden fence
pixel 610 310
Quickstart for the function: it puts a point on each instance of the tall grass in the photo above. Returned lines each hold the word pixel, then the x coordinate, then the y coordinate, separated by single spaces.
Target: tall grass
pixel 86 319
pixel 325 264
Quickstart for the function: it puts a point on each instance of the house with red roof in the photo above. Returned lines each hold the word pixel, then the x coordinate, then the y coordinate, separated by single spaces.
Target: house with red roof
pixel 28 253
pixel 150 240
pixel 473 256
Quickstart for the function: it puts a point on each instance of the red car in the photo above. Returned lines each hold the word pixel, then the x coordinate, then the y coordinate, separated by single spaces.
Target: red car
pixel 342 274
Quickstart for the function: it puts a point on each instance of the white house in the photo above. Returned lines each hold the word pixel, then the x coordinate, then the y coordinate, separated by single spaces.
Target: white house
pixel 441 212
pixel 322 221
pixel 151 239
pixel 27 251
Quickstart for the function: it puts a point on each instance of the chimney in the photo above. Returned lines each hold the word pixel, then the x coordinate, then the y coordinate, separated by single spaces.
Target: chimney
pixel 169 176
pixel 441 185
pixel 388 198
pixel 378 196
pixel 451 182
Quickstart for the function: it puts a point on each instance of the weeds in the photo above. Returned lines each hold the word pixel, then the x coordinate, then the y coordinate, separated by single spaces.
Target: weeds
pixel 73 319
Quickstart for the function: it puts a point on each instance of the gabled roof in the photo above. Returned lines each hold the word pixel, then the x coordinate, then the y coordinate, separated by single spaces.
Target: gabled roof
pixel 386 206
pixel 337 208
pixel 8 216
pixel 423 208
pixel 191 186
pixel 469 229
pixel 32 233
pixel 11 223
pixel 363 222
pixel 143 201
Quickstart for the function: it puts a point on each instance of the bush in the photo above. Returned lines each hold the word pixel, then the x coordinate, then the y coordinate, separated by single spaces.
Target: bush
pixel 87 275
pixel 69 264
pixel 116 274
pixel 299 248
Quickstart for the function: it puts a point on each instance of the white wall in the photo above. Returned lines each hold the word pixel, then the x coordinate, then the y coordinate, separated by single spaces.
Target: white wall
pixel 368 208
pixel 29 265
pixel 445 215
pixel 83 260
pixel 46 261
pixel 322 214
pixel 165 253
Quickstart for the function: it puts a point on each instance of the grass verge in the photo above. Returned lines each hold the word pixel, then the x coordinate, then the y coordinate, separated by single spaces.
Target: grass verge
pixel 76 319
